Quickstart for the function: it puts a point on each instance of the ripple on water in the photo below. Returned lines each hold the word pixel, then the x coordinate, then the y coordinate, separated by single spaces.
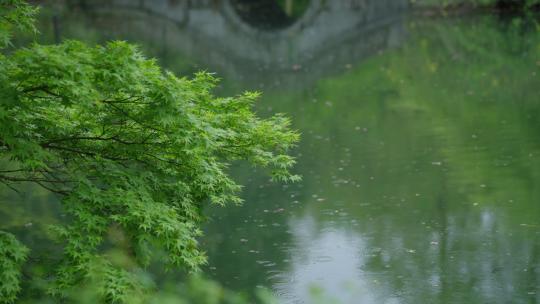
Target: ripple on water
pixel 323 259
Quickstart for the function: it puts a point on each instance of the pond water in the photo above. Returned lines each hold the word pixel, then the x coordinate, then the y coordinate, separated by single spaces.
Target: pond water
pixel 420 150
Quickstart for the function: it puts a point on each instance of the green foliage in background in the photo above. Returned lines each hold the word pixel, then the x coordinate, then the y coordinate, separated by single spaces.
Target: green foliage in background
pixel 15 15
pixel 526 4
pixel 133 151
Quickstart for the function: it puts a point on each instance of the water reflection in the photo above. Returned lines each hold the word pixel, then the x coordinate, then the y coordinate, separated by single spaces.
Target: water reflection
pixel 328 258
pixel 420 174
pixel 420 150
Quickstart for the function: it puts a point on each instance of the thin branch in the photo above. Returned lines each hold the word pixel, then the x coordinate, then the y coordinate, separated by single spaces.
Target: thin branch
pixel 119 109
pixel 43 88
pixel 13 171
pixel 10 186
pixel 52 190
pixel 83 152
pixel 33 179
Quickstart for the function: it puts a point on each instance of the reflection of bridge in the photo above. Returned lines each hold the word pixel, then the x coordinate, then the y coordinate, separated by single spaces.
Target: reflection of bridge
pixel 329 34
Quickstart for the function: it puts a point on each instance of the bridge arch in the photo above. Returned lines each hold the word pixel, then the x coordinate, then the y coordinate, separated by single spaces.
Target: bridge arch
pixel 250 19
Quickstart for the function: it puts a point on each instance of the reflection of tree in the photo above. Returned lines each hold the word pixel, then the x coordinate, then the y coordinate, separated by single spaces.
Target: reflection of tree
pixel 245 244
pixel 443 246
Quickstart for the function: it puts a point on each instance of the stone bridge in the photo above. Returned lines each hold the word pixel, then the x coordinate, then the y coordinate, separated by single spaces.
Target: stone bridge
pixel 226 37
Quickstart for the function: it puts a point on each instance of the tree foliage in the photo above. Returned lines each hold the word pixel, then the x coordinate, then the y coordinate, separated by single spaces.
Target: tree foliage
pixel 131 149
pixel 12 255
